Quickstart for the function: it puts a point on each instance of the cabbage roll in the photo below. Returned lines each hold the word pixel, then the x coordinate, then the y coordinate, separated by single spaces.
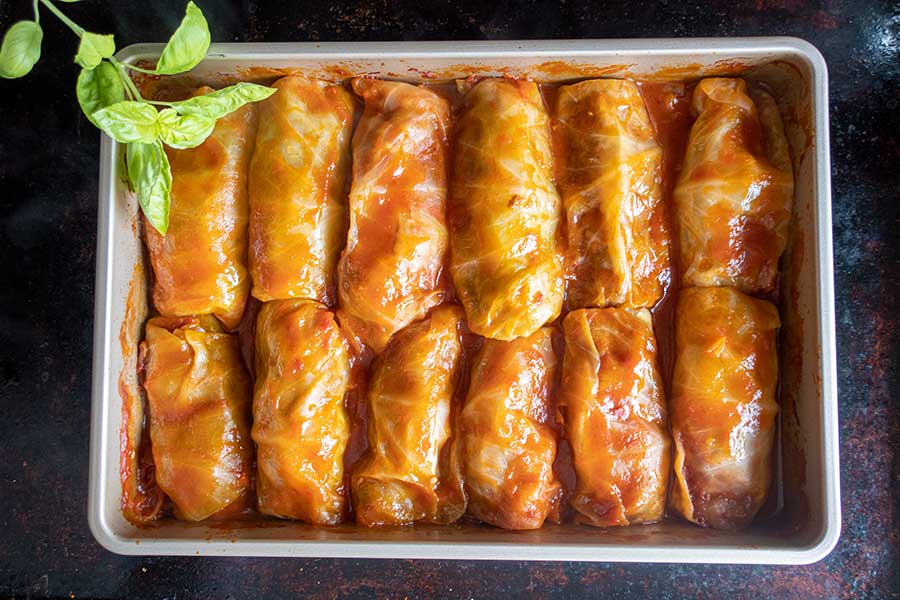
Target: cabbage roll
pixel 507 432
pixel 200 264
pixel 298 178
pixel 723 405
pixel 199 399
pixel 411 472
pixel 389 274
pixel 505 212
pixel 611 183
pixel 300 425
pixel 615 416
pixel 733 197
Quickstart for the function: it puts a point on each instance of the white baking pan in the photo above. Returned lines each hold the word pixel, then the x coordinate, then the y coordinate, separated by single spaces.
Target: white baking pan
pixel 807 524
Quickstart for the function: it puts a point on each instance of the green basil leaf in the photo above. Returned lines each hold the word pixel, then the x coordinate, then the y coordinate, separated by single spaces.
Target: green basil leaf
pixel 20 50
pixel 128 121
pixel 98 88
pixel 151 179
pixel 187 46
pixel 183 131
pixel 216 105
pixel 94 48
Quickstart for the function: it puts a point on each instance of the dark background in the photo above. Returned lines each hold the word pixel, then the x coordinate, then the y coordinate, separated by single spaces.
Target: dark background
pixel 48 214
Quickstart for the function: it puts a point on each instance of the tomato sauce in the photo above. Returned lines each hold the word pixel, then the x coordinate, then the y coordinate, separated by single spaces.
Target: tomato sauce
pixel 668 105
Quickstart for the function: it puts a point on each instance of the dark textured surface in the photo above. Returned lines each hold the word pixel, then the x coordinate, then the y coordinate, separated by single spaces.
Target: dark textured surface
pixel 48 190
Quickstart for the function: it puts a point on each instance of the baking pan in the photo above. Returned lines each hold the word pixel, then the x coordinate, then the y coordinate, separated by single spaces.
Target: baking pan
pixel 805 523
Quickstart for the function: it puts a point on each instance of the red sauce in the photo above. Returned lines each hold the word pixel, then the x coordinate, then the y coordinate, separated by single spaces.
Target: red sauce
pixel 558 70
pixel 142 500
pixel 550 92
pixel 357 405
pixel 669 107
pixel 246 333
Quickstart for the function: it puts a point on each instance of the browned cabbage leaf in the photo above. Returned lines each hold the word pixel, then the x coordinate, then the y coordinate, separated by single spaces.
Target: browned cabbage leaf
pixel 618 246
pixel 198 393
pixel 300 425
pixel 389 274
pixel 507 434
pixel 505 212
pixel 411 471
pixel 298 178
pixel 733 197
pixel 200 264
pixel 723 405
pixel 615 416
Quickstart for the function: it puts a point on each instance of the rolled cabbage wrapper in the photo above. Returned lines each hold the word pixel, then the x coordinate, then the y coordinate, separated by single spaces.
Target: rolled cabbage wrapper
pixel 507 434
pixel 611 184
pixel 199 399
pixel 300 424
pixel 723 405
pixel 505 212
pixel 615 416
pixel 298 182
pixel 733 197
pixel 389 274
pixel 411 471
pixel 200 265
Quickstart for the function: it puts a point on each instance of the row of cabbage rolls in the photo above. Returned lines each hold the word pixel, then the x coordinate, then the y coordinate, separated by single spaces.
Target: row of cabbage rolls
pixel 460 227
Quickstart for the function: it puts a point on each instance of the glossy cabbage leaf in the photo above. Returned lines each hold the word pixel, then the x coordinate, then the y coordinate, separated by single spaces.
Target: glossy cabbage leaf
pixel 300 425
pixel 411 470
pixel 507 434
pixel 733 196
pixel 618 244
pixel 298 182
pixel 199 395
pixel 723 405
pixel 389 274
pixel 505 212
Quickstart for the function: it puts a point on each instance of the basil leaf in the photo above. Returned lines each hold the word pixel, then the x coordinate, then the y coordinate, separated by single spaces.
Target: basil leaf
pixel 98 88
pixel 128 121
pixel 217 104
pixel 20 50
pixel 151 178
pixel 94 48
pixel 183 131
pixel 187 46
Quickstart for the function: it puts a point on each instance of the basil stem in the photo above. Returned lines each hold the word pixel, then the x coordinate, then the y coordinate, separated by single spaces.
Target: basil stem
pixel 79 31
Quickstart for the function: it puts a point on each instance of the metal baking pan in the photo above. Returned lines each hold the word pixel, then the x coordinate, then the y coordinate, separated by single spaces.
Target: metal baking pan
pixel 807 523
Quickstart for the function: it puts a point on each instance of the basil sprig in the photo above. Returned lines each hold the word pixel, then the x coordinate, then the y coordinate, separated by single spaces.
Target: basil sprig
pixel 112 102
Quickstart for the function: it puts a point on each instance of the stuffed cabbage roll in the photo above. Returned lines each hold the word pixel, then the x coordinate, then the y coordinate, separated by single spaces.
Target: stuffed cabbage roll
pixel 507 434
pixel 615 416
pixel 618 248
pixel 300 425
pixel 505 212
pixel 198 394
pixel 298 178
pixel 411 472
pixel 200 264
pixel 389 274
pixel 723 405
pixel 733 197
